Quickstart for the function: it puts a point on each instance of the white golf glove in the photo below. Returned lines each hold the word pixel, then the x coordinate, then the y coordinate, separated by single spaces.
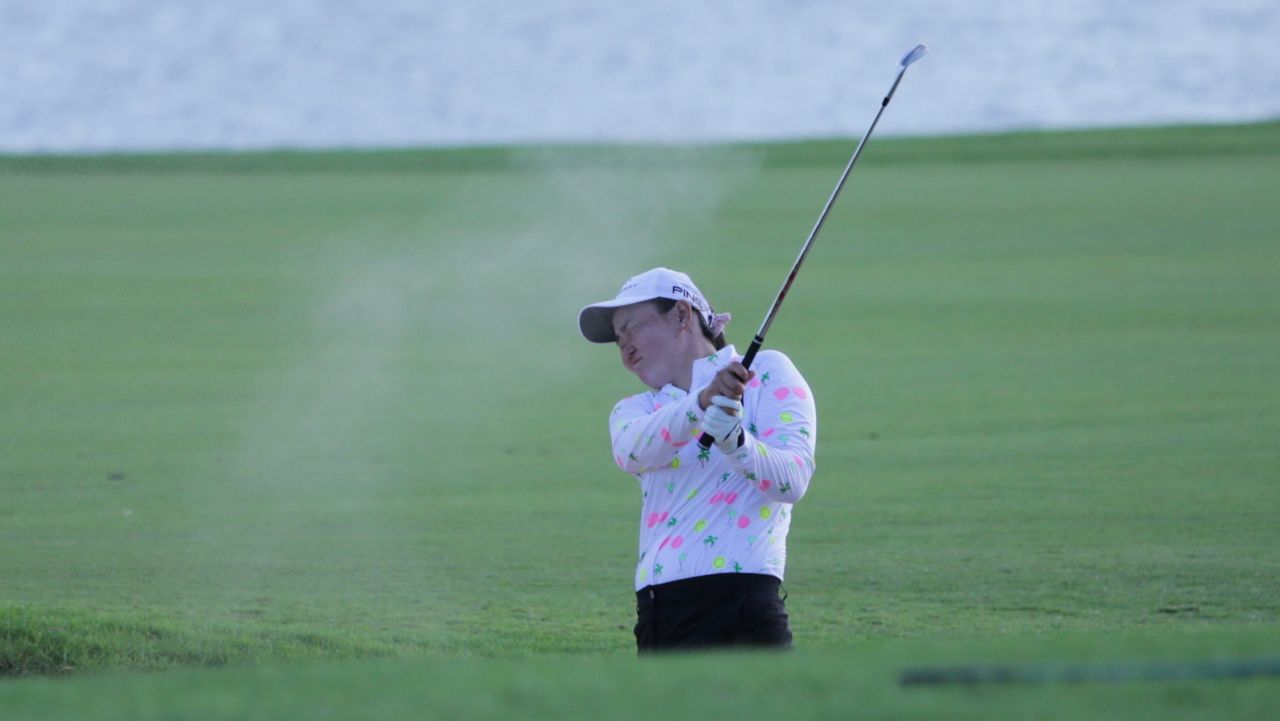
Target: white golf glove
pixel 723 422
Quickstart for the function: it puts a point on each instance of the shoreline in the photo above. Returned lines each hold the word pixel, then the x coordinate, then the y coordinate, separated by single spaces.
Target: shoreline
pixel 1120 142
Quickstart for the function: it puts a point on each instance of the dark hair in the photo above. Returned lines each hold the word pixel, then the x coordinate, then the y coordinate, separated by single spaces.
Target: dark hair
pixel 664 306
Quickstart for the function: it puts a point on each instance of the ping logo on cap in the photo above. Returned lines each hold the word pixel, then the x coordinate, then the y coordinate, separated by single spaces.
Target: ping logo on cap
pixel 693 297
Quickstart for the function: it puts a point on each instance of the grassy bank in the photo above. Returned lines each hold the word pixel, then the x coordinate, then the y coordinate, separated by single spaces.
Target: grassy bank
pixel 283 407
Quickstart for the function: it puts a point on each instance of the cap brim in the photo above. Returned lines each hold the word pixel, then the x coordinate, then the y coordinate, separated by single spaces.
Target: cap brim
pixel 596 321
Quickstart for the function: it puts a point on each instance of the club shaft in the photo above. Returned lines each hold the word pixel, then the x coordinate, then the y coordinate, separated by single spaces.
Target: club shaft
pixel 822 218
pixel 706 440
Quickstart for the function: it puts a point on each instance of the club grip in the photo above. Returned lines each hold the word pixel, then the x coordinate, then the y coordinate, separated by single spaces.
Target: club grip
pixel 705 441
pixel 751 352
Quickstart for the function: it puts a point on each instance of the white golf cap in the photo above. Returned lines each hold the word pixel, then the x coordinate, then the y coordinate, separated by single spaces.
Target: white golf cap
pixel 596 320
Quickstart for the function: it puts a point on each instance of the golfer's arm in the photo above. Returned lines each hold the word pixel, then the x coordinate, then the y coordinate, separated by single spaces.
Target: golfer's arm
pixel 780 472
pixel 644 438
pixel 777 452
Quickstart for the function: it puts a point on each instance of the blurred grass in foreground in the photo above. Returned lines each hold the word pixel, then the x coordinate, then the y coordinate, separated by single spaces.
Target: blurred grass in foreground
pixel 806 684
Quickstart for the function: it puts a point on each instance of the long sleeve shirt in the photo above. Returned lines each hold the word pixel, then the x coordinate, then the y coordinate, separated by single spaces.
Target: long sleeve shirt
pixel 706 512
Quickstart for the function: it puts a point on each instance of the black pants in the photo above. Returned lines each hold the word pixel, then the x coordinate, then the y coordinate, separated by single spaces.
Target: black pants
pixel 718 611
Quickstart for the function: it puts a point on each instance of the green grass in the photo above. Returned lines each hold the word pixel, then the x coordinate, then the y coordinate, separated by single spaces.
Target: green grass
pixel 61 641
pixel 808 684
pixel 268 409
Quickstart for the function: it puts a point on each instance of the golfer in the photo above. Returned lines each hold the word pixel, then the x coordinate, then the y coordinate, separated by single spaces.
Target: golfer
pixel 713 523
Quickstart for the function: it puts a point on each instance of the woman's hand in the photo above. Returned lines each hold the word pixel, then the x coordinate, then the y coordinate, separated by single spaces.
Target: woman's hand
pixel 723 422
pixel 730 382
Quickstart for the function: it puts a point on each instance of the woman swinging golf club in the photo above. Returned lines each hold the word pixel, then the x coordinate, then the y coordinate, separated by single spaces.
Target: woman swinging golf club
pixel 714 521
pixel 713 527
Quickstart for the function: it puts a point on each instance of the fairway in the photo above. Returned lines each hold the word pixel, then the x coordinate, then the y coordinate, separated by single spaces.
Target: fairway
pixel 328 415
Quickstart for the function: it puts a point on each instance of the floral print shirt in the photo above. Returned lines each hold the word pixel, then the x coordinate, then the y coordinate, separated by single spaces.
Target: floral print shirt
pixel 705 512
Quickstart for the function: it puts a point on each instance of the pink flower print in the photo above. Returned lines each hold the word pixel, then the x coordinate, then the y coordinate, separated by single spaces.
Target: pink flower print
pixel 782 393
pixel 765 483
pixel 719 496
pixel 655 519
pixel 800 392
pixel 799 461
pixel 664 543
pixel 743 521
pixel 755 383
pixel 677 542
pixel 666 436
pixel 768 433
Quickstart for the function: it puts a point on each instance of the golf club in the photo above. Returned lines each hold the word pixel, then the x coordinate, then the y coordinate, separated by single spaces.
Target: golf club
pixel 915 54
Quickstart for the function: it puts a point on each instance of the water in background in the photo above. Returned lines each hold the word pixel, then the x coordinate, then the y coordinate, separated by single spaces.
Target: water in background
pixel 81 75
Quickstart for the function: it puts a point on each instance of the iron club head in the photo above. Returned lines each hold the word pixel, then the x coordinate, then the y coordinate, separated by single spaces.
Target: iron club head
pixel 915 54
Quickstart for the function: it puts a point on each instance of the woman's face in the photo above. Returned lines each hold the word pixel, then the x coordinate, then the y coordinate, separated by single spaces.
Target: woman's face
pixel 649 342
